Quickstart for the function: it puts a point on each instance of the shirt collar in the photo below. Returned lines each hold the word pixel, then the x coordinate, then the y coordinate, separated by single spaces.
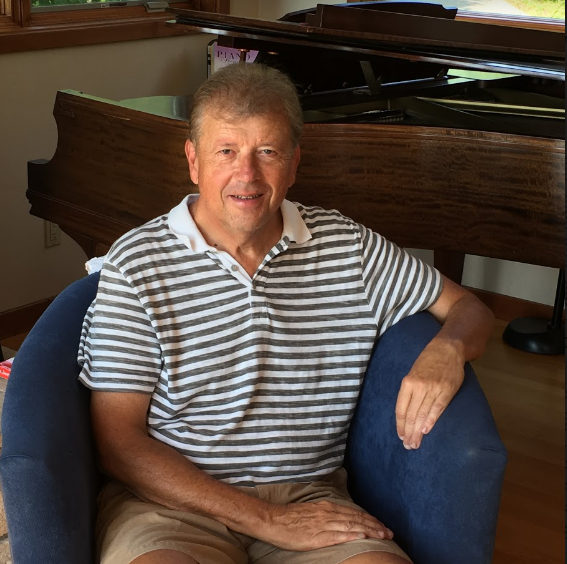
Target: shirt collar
pixel 184 227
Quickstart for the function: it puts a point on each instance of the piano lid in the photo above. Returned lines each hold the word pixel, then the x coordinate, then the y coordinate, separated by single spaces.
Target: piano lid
pixel 416 38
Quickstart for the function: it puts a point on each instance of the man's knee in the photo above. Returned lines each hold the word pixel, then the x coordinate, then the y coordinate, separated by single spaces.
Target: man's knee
pixel 164 557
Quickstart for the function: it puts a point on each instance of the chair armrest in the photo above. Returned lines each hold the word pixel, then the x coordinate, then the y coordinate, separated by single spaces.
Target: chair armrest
pixel 47 466
pixel 441 500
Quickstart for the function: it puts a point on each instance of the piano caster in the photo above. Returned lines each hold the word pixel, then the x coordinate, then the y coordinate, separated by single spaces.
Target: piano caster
pixel 537 335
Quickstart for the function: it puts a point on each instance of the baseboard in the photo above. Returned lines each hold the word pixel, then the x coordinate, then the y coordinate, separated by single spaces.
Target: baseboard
pixel 21 319
pixel 508 308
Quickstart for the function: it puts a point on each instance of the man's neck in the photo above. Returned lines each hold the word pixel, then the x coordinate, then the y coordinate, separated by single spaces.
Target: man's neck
pixel 248 249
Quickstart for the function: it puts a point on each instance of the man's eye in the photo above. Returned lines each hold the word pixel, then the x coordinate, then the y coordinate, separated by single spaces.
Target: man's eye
pixel 225 151
pixel 268 152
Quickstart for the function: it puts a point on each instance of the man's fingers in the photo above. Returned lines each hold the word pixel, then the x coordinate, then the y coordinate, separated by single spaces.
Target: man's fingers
pixel 332 538
pixel 436 411
pixel 431 409
pixel 374 531
pixel 404 398
pixel 411 418
pixel 416 420
pixel 348 519
pixel 315 524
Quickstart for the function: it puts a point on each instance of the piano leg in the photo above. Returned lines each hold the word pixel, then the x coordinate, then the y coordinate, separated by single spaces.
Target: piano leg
pixel 539 335
pixel 450 264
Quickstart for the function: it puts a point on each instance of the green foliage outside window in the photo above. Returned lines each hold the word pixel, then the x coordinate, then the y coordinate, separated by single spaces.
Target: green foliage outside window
pixel 541 8
pixel 41 3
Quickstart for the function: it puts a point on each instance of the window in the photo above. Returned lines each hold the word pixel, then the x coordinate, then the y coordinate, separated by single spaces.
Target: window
pixel 552 9
pixel 40 24
pixel 38 6
pixel 546 14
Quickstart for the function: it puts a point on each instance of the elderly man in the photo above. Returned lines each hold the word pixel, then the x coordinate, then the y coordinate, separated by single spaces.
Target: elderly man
pixel 227 345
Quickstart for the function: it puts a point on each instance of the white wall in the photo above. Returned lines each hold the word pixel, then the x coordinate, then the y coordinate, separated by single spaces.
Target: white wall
pixel 28 84
pixel 245 8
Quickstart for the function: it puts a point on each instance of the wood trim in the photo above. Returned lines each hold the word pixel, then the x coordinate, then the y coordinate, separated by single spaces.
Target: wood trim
pixel 26 31
pixel 17 12
pixel 20 320
pixel 92 33
pixel 25 12
pixel 508 308
pixel 5 8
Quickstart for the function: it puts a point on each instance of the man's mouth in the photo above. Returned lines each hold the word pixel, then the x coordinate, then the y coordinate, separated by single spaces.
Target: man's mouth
pixel 248 197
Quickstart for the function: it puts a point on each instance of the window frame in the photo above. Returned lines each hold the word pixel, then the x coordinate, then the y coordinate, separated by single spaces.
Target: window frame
pixel 22 30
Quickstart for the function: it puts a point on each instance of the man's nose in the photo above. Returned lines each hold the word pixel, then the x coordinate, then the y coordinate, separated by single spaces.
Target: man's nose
pixel 247 168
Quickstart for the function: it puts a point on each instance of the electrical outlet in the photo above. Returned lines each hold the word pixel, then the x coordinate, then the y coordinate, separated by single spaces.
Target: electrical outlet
pixel 52 234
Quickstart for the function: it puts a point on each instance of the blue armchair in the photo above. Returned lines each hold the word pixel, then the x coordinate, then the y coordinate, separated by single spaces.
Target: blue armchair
pixel 441 501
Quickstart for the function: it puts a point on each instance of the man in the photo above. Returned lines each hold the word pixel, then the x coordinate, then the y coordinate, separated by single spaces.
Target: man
pixel 227 345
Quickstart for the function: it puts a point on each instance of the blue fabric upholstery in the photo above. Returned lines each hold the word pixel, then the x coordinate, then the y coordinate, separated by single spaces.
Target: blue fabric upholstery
pixel 441 501
pixel 47 467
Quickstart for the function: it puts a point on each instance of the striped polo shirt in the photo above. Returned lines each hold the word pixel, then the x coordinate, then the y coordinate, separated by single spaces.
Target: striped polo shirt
pixel 254 379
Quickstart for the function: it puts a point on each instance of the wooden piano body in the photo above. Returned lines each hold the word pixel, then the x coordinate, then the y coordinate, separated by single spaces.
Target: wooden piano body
pixel 454 190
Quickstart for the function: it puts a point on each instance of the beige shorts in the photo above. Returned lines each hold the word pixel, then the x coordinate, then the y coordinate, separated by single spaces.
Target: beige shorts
pixel 129 527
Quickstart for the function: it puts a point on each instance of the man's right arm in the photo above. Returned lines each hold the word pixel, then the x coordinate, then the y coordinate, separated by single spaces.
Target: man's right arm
pixel 156 472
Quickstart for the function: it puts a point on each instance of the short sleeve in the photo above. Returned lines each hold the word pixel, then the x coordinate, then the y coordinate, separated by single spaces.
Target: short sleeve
pixel 397 284
pixel 118 350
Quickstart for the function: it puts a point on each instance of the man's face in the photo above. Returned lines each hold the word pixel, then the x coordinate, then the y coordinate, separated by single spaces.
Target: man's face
pixel 243 169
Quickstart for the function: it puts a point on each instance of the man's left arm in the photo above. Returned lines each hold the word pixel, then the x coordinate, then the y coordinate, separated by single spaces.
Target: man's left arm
pixel 438 372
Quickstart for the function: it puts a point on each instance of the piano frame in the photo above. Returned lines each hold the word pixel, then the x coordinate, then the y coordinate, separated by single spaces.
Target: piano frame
pixel 453 191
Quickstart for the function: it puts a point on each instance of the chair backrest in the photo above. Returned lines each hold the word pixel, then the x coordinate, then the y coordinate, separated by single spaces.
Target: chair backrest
pixel 441 500
pixel 47 465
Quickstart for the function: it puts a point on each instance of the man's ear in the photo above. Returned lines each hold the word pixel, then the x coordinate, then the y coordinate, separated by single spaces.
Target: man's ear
pixel 191 154
pixel 295 160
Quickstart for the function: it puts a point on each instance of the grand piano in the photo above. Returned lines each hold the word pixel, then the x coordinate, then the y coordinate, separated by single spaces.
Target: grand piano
pixel 438 132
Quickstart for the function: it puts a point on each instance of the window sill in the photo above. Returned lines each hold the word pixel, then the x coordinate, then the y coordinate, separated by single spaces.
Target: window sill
pixel 87 27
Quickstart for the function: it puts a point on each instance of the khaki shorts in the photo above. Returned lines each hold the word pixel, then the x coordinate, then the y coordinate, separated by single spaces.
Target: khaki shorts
pixel 129 527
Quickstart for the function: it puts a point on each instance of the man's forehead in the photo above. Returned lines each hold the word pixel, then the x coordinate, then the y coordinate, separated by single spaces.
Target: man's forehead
pixel 273 125
pixel 235 118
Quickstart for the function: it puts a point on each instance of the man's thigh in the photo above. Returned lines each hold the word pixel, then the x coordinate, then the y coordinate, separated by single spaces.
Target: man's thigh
pixel 376 558
pixel 130 530
pixel 333 489
pixel 164 557
pixel 367 551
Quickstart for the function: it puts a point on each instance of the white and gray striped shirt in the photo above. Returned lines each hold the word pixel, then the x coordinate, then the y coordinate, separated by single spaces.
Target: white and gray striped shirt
pixel 253 379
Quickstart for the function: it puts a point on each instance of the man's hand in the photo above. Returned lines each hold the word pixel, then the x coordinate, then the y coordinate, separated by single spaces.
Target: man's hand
pixel 312 525
pixel 427 390
pixel 438 372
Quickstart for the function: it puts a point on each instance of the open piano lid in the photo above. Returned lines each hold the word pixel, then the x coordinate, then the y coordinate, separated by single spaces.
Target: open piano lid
pixel 366 29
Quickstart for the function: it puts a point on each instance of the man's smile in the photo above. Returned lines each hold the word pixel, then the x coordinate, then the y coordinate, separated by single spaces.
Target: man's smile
pixel 247 197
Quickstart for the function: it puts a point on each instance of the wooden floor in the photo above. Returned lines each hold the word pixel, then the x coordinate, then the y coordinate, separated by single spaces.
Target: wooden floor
pixel 527 396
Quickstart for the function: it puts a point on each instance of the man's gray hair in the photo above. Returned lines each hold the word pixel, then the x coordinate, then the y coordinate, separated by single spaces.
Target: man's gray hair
pixel 246 90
